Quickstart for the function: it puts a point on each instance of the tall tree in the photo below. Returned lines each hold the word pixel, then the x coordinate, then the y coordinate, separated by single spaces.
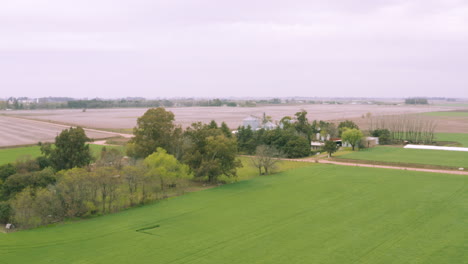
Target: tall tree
pixel 69 151
pixel 155 129
pixel 302 125
pixel 108 181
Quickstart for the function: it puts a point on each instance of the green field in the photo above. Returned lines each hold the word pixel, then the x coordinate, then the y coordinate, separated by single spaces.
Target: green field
pixel 317 214
pixel 9 155
pixel 400 155
pixel 461 138
pixel 448 113
pixel 454 105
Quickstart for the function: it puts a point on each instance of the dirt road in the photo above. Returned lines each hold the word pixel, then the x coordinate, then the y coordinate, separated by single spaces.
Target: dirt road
pixel 324 161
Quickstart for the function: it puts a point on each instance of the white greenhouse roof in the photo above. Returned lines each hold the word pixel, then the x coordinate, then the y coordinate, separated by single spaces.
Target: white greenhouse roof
pixel 435 147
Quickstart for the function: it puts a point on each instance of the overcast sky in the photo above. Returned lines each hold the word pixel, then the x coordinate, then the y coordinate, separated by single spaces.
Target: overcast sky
pixel 169 48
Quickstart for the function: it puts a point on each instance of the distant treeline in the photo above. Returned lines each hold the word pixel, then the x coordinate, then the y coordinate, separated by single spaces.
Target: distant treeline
pixel 416 101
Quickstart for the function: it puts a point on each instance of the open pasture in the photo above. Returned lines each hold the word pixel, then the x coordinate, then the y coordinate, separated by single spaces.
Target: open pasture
pixel 126 117
pixel 401 156
pixel 17 131
pixel 460 138
pixel 318 214
pixel 449 113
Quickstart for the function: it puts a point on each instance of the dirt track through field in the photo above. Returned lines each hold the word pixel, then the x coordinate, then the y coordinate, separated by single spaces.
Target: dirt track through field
pixel 323 161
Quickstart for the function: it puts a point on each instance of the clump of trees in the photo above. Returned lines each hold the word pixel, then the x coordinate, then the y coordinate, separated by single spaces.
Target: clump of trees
pixel 265 159
pixel 396 129
pixel 43 197
pixel 416 101
pixel 209 150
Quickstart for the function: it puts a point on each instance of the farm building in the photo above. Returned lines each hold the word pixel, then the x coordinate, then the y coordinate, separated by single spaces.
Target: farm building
pixel 316 145
pixel 252 121
pixel 256 123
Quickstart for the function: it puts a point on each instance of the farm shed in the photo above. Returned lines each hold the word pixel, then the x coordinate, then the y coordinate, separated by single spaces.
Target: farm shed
pixel 315 145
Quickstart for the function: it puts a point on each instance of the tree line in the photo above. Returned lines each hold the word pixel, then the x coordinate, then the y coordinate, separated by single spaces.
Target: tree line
pixel 68 182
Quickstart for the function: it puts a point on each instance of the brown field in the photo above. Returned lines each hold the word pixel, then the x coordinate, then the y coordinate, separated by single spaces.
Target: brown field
pixel 19 132
pixel 15 131
pixel 126 117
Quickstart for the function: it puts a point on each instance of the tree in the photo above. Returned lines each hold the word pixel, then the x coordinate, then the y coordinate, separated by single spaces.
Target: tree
pixel 346 124
pixel 5 212
pixel 211 153
pixel 225 129
pixel 221 158
pixel 353 136
pixel 302 125
pixel 77 192
pixel 297 147
pixel 108 180
pixel 213 124
pixel 23 207
pixel 34 180
pixel 134 177
pixel 154 129
pixel 110 157
pixel 266 157
pixel 245 140
pixel 70 150
pixel 166 169
pixel 6 171
pixel 286 122
pixel 330 147
pixel 383 135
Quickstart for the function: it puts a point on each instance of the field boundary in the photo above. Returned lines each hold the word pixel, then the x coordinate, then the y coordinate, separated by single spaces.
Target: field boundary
pixel 368 165
pixel 396 164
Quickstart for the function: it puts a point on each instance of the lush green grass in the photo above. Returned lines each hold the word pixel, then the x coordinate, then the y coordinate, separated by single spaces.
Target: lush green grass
pixel 417 156
pixel 461 138
pixel 318 214
pixel 448 113
pixel 12 154
pixel 247 171
pixel 9 155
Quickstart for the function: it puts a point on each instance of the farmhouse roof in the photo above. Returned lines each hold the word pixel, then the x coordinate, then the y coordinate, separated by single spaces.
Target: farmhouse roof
pixel 250 118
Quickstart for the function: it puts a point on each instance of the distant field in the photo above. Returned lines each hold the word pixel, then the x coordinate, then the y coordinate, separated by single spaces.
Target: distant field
pixel 125 118
pixel 10 155
pixel 417 156
pixel 16 131
pixel 452 114
pixel 319 214
pixel 461 138
pixel 453 105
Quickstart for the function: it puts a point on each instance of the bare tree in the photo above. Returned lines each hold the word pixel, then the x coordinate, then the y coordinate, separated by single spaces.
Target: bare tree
pixel 266 158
